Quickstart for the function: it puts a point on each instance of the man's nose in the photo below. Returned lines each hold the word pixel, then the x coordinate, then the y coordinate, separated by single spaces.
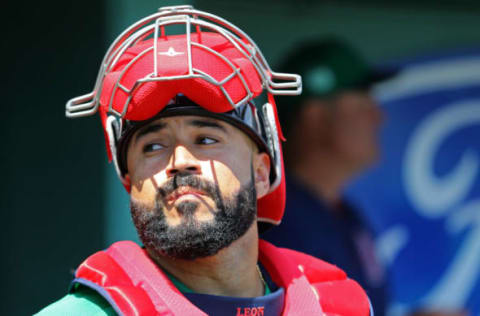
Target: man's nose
pixel 182 160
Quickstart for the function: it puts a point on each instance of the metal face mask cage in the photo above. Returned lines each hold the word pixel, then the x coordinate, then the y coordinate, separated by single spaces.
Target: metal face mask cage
pixel 153 26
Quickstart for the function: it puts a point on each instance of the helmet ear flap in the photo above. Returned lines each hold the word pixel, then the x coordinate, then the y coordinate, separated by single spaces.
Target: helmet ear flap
pixel 272 206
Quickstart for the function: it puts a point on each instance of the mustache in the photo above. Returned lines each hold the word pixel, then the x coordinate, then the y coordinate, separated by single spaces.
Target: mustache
pixel 183 179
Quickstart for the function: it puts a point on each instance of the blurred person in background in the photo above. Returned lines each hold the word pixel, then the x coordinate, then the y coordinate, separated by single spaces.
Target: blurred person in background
pixel 331 131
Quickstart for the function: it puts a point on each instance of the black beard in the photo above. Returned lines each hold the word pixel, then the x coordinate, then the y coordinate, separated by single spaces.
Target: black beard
pixel 192 239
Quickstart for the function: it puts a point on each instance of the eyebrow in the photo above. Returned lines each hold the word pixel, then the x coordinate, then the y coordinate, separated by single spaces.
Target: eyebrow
pixel 207 123
pixel 152 128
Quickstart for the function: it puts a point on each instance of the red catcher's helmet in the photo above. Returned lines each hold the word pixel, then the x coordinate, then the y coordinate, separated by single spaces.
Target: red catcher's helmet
pixel 211 64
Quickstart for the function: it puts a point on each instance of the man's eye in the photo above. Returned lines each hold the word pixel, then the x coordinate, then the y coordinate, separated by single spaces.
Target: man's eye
pixel 206 141
pixel 152 147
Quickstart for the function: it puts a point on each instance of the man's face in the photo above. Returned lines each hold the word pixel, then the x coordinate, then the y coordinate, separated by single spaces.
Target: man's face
pixel 357 119
pixel 194 183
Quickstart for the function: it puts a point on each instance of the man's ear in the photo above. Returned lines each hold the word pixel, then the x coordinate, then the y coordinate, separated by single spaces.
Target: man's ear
pixel 261 171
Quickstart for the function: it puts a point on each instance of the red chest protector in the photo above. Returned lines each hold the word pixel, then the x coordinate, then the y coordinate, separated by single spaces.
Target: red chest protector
pixel 131 282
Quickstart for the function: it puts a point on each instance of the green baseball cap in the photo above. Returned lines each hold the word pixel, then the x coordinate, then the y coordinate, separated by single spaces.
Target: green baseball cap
pixel 327 67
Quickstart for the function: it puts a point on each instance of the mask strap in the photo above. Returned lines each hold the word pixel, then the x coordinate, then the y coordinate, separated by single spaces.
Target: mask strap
pixel 271 100
pixel 110 128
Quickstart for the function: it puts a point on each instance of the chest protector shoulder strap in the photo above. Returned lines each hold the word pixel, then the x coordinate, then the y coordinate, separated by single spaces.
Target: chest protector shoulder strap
pixel 329 285
pixel 131 282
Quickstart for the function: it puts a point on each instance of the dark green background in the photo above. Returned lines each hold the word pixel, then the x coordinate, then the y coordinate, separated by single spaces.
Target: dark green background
pixel 60 201
pixel 51 195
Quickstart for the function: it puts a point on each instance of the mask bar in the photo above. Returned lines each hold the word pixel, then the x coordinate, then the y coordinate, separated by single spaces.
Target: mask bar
pixel 88 104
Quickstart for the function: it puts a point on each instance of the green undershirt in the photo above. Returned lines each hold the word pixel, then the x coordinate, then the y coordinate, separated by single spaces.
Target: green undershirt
pixel 86 301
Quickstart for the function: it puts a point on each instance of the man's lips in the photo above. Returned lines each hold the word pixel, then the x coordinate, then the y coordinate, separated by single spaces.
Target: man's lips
pixel 183 191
